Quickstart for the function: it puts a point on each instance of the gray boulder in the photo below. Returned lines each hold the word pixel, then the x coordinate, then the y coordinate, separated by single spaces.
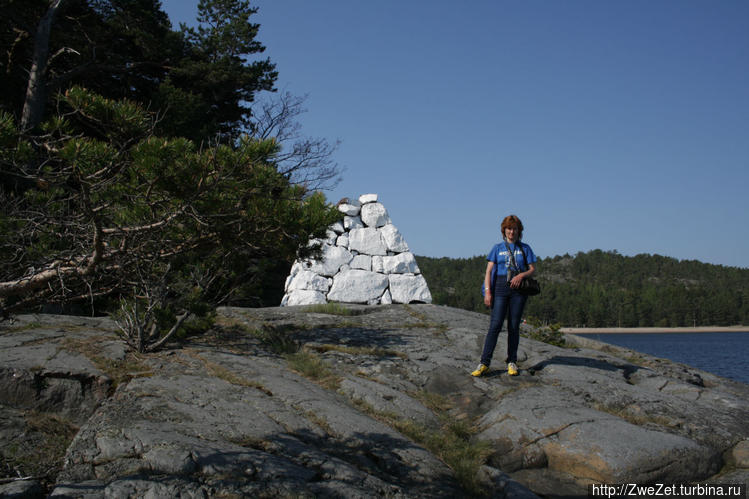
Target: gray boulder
pixel 374 215
pixel 357 286
pixel 333 258
pixel 367 240
pixel 406 288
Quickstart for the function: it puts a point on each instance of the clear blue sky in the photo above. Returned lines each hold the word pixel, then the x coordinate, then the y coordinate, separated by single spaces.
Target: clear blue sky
pixel 619 125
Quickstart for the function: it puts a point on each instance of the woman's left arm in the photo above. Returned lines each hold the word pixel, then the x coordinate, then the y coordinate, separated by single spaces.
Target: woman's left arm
pixel 519 278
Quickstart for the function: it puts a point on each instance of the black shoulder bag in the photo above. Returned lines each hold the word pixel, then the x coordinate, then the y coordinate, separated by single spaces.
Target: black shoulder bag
pixel 529 286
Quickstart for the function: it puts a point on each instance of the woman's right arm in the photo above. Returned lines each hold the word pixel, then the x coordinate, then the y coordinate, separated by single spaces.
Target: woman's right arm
pixel 488 284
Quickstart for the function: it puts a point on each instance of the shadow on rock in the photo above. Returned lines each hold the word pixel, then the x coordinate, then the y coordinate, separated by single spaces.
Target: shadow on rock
pixel 566 360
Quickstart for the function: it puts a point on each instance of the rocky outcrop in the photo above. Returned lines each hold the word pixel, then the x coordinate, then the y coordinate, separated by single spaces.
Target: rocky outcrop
pixel 364 259
pixel 286 402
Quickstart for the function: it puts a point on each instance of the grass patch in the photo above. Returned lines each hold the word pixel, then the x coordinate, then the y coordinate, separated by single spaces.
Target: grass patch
pixel 636 359
pixel 25 327
pixel 312 367
pixel 636 418
pixel 453 442
pixel 250 442
pixel 39 452
pixel 332 308
pixel 342 324
pixel 373 351
pixel 277 339
pixel 118 370
pixel 122 371
pixel 434 401
pixel 465 456
pixel 424 321
pixel 439 328
pixel 415 314
pixel 319 421
pixel 219 371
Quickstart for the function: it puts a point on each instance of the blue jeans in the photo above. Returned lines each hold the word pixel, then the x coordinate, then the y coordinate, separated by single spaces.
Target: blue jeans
pixel 508 304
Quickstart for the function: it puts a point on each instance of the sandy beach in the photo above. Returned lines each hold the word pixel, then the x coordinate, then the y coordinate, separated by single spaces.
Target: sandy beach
pixel 701 329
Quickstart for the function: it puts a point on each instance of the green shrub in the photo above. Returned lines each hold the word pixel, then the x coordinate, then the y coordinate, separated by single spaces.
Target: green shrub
pixel 547 333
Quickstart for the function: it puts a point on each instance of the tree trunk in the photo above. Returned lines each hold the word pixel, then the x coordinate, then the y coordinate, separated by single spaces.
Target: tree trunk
pixel 36 91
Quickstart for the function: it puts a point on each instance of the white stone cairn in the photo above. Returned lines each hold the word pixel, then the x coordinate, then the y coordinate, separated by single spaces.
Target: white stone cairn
pixel 364 259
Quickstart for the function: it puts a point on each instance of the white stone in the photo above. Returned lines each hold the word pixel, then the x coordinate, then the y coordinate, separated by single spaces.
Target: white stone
pixel 308 280
pixel 333 257
pixel 312 243
pixel 342 240
pixel 386 299
pixel 377 264
pixel 357 286
pixel 297 267
pixel 409 288
pixel 305 297
pixel 368 198
pixel 367 240
pixel 393 238
pixel 330 237
pixel 374 215
pixel 361 262
pixel 338 228
pixel 349 209
pixel 351 223
pixel 403 263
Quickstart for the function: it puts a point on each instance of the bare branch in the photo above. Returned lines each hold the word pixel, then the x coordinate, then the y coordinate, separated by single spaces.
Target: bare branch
pixel 149 227
pixel 303 160
pixel 20 36
pixel 180 319
pixel 57 269
pixel 64 50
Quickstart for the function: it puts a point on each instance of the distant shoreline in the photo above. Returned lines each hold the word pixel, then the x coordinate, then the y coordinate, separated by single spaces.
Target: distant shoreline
pixel 616 330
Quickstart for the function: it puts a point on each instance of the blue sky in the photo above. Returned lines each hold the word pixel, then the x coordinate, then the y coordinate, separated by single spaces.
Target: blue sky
pixel 618 125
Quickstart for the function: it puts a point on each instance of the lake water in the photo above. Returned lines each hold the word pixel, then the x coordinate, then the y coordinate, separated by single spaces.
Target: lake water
pixel 724 354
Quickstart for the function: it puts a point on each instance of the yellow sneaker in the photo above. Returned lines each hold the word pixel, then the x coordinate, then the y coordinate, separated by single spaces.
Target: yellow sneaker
pixel 512 369
pixel 480 370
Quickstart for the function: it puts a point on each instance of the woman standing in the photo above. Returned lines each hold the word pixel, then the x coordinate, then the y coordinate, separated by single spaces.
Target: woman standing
pixel 509 262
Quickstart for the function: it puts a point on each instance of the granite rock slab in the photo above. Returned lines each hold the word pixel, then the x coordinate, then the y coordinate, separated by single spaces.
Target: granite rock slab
pixel 227 413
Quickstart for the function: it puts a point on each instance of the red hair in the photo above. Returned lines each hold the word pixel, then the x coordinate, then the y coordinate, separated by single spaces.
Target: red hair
pixel 512 221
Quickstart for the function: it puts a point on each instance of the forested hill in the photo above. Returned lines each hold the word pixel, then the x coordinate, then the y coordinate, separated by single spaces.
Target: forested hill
pixel 606 289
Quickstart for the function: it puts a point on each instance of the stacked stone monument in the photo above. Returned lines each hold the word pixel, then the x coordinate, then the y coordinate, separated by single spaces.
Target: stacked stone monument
pixel 364 260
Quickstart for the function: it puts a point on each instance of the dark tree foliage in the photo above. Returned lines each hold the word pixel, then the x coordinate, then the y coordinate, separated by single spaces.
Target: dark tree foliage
pixel 214 67
pixel 133 173
pixel 606 289
pixel 104 208
pixel 202 80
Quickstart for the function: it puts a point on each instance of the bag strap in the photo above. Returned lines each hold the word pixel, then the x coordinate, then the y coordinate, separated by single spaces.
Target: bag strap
pixel 512 255
pixel 525 259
